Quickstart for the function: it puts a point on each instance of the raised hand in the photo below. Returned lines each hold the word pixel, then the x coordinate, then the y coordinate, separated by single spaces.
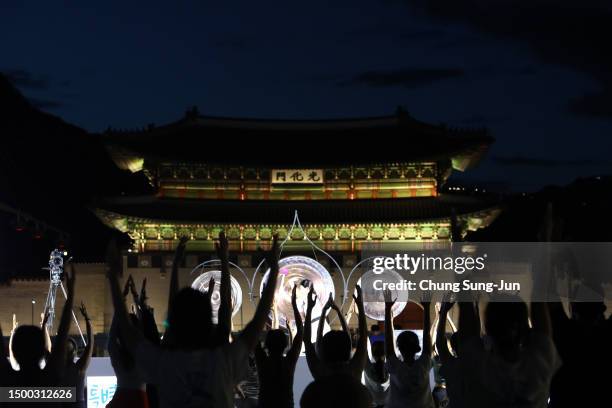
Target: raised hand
pixel 222 247
pixel 272 256
pixel 126 287
pixel 143 293
pixel 133 291
pixel 180 249
pixel 426 299
pixel 83 311
pixel 294 297
pixel 251 333
pixel 44 318
pixel 447 303
pixel 70 275
pixel 208 294
pixel 211 287
pixel 311 298
pixel 330 302
pixel 359 296
pixel 389 301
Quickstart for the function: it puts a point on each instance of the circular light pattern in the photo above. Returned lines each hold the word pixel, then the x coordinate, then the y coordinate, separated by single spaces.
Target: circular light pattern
pixel 201 284
pixel 374 301
pixel 301 271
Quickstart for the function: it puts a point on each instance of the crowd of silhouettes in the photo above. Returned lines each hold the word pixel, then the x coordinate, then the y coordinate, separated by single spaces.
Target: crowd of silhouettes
pixel 519 355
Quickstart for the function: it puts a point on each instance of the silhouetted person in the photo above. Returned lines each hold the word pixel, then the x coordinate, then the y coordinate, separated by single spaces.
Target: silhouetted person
pixel 275 370
pixel 579 381
pixel 28 346
pixel 335 350
pixel 376 376
pixel 451 369
pixel 195 372
pixel 409 376
pixel 131 389
pixel 516 368
pixel 336 391
pixel 76 371
pixel 330 305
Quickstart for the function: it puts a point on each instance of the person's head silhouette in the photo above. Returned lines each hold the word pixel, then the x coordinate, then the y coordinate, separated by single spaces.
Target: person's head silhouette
pixel 336 346
pixel 276 342
pixel 28 347
pixel 189 319
pixel 408 345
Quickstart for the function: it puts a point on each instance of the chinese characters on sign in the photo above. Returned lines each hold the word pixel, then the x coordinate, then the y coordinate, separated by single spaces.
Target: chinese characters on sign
pixel 297 176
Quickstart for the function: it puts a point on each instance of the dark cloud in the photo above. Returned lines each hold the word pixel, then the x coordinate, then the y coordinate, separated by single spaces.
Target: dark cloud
pixel 22 78
pixel 569 33
pixel 46 104
pixel 407 77
pixel 545 162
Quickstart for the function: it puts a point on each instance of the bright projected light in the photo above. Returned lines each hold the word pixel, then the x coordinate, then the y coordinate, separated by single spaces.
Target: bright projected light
pixel 300 270
pixel 201 284
pixel 376 309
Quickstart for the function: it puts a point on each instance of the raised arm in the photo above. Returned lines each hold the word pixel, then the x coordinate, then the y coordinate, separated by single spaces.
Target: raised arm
pixel 321 324
pixel 441 342
pixel 343 322
pixel 359 359
pixel 129 334
pixel 147 316
pixel 311 353
pixel 250 334
pixel 540 318
pixel 469 322
pixel 58 351
pixel 224 326
pixel 4 362
pixel 85 358
pixel 296 345
pixel 426 330
pixel 176 263
pixel 122 361
pixel 389 340
pixel 45 329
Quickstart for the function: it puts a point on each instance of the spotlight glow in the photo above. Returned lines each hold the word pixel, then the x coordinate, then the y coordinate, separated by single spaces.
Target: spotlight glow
pixel 201 284
pixel 301 271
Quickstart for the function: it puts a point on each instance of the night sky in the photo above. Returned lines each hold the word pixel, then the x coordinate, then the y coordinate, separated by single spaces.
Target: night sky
pixel 537 73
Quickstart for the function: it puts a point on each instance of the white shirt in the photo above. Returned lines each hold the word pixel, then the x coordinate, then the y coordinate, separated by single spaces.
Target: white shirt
pixel 190 379
pixel 409 383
